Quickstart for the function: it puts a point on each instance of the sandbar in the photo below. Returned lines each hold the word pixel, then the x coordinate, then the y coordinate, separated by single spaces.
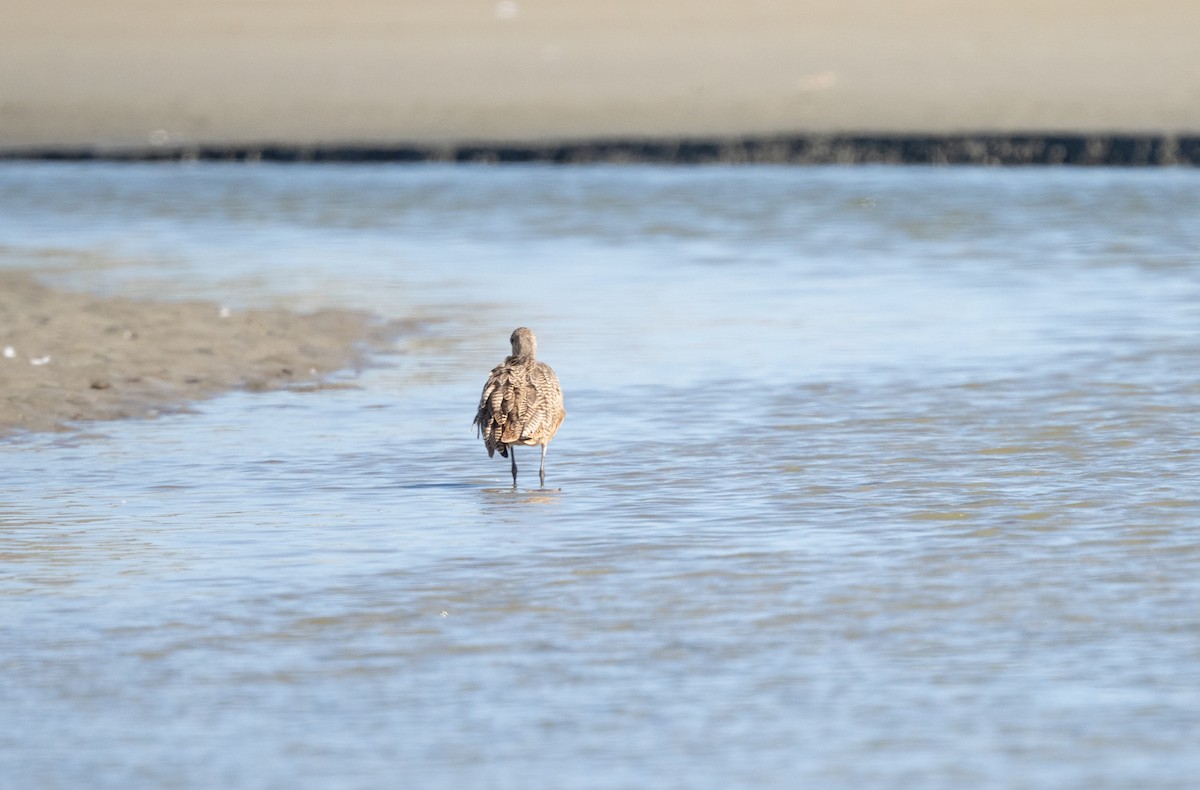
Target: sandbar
pixel 68 357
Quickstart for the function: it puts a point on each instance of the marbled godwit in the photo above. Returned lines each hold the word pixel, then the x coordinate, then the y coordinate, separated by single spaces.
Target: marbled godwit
pixel 521 403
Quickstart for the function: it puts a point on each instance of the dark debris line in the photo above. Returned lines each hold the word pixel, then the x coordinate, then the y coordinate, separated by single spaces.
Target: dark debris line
pixel 966 149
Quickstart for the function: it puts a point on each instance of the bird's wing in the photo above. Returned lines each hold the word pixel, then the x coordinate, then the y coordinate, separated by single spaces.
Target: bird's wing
pixel 545 410
pixel 510 408
pixel 483 414
pixel 501 406
pixel 493 415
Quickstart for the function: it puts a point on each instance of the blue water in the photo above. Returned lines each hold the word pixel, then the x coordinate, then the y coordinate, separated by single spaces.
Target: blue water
pixel 870 477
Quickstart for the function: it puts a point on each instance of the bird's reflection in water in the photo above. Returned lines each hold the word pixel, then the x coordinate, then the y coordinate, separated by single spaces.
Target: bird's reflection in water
pixel 532 496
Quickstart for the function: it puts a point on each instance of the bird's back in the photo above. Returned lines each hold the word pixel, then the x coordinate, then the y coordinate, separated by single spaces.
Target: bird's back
pixel 521 403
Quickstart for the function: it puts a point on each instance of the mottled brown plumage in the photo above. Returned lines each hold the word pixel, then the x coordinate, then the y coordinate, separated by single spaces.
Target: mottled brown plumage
pixel 521 403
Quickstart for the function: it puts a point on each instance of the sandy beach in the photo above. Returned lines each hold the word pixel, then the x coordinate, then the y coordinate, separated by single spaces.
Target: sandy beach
pixel 67 357
pixel 132 73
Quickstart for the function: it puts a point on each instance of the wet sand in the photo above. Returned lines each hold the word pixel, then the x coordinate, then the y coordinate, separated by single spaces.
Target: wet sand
pixel 67 357
pixel 162 73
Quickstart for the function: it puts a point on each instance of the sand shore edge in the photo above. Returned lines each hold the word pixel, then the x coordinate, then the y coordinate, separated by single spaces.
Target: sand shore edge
pixel 68 358
pixel 953 149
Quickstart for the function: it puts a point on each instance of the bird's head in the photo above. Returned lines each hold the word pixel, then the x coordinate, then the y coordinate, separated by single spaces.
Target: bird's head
pixel 524 344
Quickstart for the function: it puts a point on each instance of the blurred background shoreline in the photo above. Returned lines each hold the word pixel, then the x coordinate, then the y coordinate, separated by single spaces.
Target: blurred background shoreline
pixel 567 81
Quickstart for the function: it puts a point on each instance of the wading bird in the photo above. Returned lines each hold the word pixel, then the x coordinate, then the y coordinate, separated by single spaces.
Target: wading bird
pixel 521 403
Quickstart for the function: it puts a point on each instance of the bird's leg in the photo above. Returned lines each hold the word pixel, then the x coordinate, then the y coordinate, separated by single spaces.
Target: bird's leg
pixel 512 453
pixel 542 471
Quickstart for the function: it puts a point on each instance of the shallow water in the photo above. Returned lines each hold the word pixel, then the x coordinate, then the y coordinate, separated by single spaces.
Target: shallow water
pixel 870 477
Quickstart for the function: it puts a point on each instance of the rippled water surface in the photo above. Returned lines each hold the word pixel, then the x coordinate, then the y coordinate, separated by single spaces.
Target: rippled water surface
pixel 870 477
